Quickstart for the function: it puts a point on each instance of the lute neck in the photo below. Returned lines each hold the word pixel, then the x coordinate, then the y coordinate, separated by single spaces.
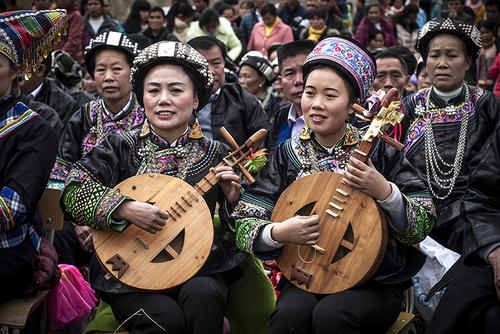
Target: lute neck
pixel 208 181
pixel 365 148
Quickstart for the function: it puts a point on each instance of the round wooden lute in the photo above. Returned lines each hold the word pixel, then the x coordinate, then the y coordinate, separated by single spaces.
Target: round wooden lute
pixel 353 230
pixel 176 253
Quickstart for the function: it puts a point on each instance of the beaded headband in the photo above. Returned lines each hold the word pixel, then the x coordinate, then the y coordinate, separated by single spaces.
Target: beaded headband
pixel 260 63
pixel 27 36
pixel 350 58
pixel 110 39
pixel 468 33
pixel 178 53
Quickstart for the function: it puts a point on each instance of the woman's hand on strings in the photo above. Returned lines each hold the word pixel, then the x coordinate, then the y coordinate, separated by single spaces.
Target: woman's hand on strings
pixel 367 179
pixel 300 230
pixel 229 183
pixel 144 215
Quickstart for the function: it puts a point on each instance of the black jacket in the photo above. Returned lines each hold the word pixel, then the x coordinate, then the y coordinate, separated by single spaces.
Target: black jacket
pixel 164 35
pixel 481 203
pixel 484 115
pixel 239 112
pixel 54 96
pixel 48 113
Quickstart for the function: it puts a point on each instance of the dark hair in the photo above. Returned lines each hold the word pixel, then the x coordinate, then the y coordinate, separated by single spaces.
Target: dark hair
pixel 222 7
pixel 293 49
pixel 391 53
pixel 485 24
pixel 248 3
pixel 48 63
pixel 319 12
pixel 133 23
pixel 409 9
pixel 274 47
pixel 373 34
pixel 208 15
pixel 269 8
pixel 156 10
pixel 369 6
pixel 461 1
pixel 140 39
pixel 206 43
pixel 231 2
pixel 178 8
pixel 420 67
pixel 408 57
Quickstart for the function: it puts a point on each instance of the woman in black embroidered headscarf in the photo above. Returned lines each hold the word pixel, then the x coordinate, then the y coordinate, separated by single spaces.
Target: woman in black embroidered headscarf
pixel 446 126
pixel 171 80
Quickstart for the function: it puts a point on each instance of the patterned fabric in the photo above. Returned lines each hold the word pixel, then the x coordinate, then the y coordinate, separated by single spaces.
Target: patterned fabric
pixel 253 211
pixel 109 126
pixel 260 63
pixel 13 119
pixel 133 115
pixel 111 39
pixel 12 209
pixel 440 120
pixel 348 56
pixel 418 206
pixel 27 36
pixel 90 203
pixel 468 33
pixel 165 155
pixel 178 53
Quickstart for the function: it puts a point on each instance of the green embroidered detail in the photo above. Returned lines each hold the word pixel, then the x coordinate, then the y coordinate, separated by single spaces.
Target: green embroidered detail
pixel 247 230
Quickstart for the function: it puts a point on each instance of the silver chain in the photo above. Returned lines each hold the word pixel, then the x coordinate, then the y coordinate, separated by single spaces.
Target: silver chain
pixel 435 165
pixel 310 163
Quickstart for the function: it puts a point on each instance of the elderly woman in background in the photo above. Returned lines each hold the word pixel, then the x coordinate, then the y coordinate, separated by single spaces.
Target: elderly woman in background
pixel 256 75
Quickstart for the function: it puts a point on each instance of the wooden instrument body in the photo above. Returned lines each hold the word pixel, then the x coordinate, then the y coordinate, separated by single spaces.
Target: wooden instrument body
pixel 353 233
pixel 169 257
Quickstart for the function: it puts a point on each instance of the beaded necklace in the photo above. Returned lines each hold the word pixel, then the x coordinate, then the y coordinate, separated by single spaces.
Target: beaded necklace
pixel 443 173
pixel 148 149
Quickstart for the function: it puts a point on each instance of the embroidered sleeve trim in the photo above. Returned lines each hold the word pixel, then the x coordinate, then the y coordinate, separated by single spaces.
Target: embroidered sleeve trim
pixel 247 230
pixel 12 210
pixel 421 216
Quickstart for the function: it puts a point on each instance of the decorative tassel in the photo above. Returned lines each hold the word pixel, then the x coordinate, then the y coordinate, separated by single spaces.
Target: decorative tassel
pixel 195 132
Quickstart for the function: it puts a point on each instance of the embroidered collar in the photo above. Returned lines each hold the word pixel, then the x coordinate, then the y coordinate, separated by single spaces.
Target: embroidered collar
pixel 437 102
pixel 190 133
pixel 122 112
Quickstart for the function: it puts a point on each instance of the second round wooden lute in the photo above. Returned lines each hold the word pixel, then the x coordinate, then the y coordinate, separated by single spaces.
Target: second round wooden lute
pixel 353 229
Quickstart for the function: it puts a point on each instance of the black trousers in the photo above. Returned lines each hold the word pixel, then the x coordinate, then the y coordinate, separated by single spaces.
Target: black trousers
pixel 469 304
pixel 371 308
pixel 196 307
pixel 16 269
pixel 68 247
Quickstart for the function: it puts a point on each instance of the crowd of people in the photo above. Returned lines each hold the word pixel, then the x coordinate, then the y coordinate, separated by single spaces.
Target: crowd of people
pixel 87 102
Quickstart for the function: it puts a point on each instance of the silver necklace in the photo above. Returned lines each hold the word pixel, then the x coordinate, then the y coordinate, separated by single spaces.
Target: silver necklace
pixel 443 173
pixel 310 162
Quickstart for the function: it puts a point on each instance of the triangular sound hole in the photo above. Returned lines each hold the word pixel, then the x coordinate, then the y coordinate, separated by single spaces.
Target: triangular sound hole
pixel 343 251
pixel 306 210
pixel 172 250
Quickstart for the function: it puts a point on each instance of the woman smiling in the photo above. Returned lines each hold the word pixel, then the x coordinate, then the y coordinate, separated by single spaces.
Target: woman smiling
pixel 172 81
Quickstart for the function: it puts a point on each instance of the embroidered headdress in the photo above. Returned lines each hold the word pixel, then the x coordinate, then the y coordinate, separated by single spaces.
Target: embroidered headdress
pixel 176 53
pixel 349 58
pixel 27 36
pixel 467 33
pixel 260 63
pixel 110 40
